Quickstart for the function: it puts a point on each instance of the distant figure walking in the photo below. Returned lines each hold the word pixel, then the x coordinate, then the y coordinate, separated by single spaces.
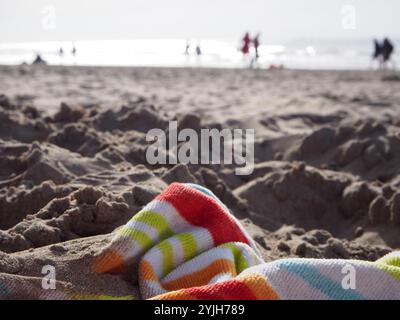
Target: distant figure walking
pixel 61 55
pixel 256 55
pixel 73 49
pixel 377 55
pixel 187 48
pixel 377 50
pixel 387 51
pixel 256 43
pixel 246 44
pixel 198 50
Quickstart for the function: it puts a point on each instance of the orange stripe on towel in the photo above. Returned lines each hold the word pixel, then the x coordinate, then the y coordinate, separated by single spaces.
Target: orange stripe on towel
pixel 110 261
pixel 203 276
pixel 146 271
pixel 259 286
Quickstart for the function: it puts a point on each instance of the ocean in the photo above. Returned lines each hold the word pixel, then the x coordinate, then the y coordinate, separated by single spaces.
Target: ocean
pixel 299 54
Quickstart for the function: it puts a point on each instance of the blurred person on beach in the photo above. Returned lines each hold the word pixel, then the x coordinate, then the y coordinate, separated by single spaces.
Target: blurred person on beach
pixel 256 44
pixel 198 50
pixel 245 49
pixel 187 48
pixel 61 55
pixel 377 55
pixel 73 51
pixel 246 44
pixel 387 51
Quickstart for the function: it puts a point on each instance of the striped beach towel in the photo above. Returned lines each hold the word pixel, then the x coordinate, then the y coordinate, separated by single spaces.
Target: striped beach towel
pixel 185 244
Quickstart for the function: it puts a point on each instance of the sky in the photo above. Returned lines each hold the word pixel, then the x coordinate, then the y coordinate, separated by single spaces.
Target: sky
pixel 67 20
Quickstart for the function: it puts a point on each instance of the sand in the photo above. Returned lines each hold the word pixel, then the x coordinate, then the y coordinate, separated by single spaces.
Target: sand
pixel 326 182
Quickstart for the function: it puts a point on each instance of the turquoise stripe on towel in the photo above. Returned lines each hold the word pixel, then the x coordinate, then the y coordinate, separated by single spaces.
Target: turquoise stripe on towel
pixel 315 279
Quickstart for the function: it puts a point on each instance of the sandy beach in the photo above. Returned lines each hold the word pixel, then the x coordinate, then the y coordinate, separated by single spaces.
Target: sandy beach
pixel 325 184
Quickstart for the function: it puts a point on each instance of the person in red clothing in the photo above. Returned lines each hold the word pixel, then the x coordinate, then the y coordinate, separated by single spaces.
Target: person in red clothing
pixel 246 44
